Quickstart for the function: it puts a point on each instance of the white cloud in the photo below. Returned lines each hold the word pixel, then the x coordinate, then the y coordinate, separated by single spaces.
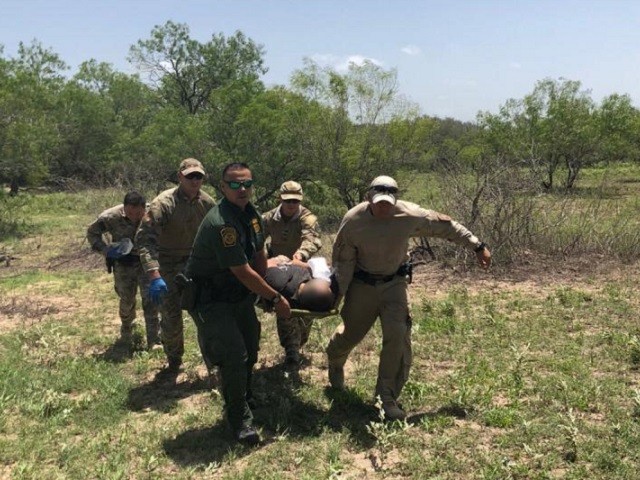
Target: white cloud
pixel 412 50
pixel 341 63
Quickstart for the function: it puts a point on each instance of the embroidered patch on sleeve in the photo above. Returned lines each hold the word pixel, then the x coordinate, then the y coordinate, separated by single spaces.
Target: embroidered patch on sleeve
pixel 256 225
pixel 229 236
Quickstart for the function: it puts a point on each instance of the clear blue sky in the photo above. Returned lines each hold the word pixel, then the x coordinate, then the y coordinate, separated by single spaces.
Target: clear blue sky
pixel 453 58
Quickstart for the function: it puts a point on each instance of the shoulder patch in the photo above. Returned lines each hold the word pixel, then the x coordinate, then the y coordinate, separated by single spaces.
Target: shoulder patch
pixel 443 218
pixel 229 236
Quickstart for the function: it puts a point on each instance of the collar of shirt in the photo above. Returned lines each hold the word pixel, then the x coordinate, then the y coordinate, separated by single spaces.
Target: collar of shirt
pixel 278 215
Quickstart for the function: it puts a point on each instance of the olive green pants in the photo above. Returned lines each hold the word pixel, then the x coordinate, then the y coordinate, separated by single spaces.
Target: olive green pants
pixel 128 279
pixel 362 306
pixel 171 325
pixel 229 337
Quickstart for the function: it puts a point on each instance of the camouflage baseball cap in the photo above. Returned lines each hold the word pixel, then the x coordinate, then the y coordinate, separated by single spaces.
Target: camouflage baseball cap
pixel 291 191
pixel 383 189
pixel 190 165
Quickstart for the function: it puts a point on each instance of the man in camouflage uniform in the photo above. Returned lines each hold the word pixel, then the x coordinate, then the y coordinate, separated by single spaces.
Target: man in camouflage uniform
pixel 164 238
pixel 368 255
pixel 294 233
pixel 227 265
pixel 121 223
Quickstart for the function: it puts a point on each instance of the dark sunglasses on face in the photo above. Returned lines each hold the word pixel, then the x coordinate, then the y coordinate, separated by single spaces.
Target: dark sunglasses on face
pixel 385 189
pixel 236 185
pixel 194 175
pixel 291 200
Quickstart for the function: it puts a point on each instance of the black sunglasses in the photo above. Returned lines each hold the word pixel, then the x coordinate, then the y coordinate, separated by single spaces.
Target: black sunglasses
pixel 291 200
pixel 194 175
pixel 236 185
pixel 385 189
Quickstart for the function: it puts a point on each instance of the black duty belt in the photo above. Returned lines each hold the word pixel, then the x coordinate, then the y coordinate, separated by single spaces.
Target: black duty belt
pixel 405 270
pixel 371 279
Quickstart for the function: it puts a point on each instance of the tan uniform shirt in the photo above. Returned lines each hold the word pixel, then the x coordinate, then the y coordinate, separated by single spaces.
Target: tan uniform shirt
pixel 299 234
pixel 379 246
pixel 112 221
pixel 167 231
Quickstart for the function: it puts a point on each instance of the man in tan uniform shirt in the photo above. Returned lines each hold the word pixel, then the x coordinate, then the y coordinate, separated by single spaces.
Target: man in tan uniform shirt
pixel 368 253
pixel 165 238
pixel 293 230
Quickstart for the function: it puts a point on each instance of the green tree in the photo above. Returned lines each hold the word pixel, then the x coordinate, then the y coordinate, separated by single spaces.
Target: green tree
pixel 279 134
pixel 361 126
pixel 29 84
pixel 186 72
pixel 554 126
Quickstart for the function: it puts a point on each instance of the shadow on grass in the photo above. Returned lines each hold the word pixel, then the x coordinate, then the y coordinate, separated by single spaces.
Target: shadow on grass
pixel 279 413
pixel 451 409
pixel 202 446
pixel 163 392
pixel 121 351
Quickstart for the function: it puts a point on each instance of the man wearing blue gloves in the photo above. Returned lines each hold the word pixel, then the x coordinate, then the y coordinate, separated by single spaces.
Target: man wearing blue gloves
pixel 165 237
pixel 121 223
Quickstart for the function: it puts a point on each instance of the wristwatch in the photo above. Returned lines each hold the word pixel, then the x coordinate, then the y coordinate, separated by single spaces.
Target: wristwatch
pixel 480 247
pixel 276 299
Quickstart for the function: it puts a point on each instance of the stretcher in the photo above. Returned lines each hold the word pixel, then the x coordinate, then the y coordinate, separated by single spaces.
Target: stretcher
pixel 300 313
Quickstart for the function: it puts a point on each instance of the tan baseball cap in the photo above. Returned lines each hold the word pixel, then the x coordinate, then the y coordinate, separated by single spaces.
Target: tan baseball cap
pixel 190 165
pixel 291 191
pixel 383 189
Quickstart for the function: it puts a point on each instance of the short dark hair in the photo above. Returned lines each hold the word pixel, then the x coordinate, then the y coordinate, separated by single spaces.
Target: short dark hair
pixel 234 166
pixel 135 199
pixel 315 300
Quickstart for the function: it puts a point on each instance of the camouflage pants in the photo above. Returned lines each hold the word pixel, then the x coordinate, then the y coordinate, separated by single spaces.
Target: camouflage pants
pixel 363 304
pixel 128 279
pixel 293 332
pixel 172 327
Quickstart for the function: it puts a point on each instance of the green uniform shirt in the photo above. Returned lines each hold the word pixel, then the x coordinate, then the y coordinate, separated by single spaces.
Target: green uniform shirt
pixel 227 237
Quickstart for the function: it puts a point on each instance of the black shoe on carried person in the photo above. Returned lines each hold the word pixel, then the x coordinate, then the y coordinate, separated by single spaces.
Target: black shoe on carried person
pixel 248 436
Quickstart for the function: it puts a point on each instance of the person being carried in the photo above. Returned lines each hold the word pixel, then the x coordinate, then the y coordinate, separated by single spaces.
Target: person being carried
pixel 121 223
pixel 307 286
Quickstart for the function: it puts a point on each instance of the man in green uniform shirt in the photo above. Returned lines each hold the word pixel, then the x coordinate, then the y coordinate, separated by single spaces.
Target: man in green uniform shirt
pixel 227 264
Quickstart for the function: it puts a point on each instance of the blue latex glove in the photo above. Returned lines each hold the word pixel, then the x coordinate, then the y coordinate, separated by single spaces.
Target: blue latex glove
pixel 157 290
pixel 113 253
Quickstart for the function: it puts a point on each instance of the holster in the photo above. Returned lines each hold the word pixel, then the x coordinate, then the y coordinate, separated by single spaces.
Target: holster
pixel 188 291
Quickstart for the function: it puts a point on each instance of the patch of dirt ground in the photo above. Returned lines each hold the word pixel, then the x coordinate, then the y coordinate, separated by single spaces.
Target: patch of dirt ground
pixel 533 275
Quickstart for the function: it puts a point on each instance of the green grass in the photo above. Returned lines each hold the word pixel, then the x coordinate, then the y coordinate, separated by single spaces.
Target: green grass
pixel 506 383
